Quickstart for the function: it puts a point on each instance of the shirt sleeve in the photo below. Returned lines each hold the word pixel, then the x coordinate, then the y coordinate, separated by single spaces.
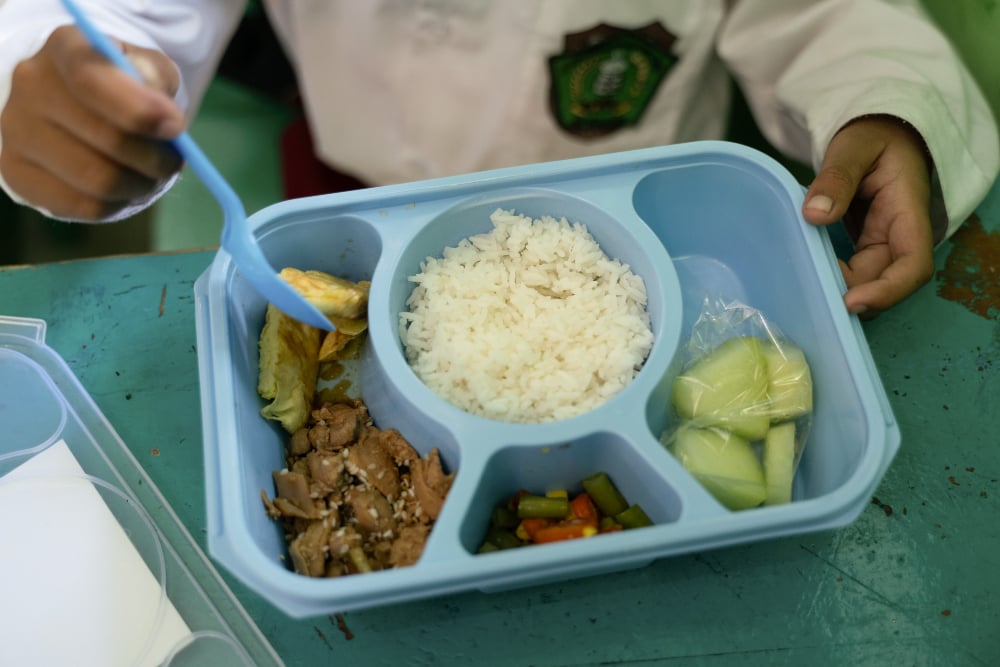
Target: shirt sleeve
pixel 808 68
pixel 192 33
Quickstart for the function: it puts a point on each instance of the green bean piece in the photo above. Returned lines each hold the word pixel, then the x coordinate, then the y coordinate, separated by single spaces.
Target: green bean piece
pixel 542 507
pixel 607 522
pixel 487 547
pixel 503 517
pixel 605 494
pixel 503 539
pixel 633 517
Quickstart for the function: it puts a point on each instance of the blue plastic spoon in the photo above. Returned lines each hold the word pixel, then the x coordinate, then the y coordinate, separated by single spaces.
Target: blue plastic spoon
pixel 237 239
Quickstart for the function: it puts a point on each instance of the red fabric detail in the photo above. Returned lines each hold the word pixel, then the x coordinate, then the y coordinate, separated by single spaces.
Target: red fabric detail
pixel 302 173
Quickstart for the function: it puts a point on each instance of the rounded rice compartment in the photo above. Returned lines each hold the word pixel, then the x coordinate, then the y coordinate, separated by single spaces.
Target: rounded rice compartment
pixel 533 307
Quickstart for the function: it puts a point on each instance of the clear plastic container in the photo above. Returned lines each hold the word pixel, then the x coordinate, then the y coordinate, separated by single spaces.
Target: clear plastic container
pixel 124 583
pixel 706 218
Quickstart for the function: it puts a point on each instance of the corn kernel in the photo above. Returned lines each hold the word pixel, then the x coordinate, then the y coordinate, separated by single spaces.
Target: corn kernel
pixel 589 531
pixel 557 493
pixel 522 533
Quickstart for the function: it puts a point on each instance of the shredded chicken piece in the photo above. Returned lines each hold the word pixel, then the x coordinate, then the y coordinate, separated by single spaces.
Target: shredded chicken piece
pixel 430 484
pixel 298 444
pixel 342 540
pixel 410 544
pixel 308 549
pixel 293 488
pixel 370 510
pixel 400 450
pixel 335 427
pixel 370 460
pixel 325 469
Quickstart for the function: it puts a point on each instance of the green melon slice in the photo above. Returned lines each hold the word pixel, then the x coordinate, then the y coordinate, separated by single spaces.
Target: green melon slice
pixel 790 387
pixel 727 388
pixel 724 463
pixel 779 463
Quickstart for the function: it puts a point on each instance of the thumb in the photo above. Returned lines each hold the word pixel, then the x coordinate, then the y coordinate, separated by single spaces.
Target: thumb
pixel 156 69
pixel 848 159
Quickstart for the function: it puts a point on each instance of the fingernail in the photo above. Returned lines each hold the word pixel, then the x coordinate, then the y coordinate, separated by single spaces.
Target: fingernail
pixel 147 70
pixel 169 128
pixel 820 203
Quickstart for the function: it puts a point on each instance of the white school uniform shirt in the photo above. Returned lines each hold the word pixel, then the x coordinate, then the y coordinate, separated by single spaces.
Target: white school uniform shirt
pixel 400 90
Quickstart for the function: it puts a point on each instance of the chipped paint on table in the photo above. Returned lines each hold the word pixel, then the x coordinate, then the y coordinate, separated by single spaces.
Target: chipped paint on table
pixel 971 274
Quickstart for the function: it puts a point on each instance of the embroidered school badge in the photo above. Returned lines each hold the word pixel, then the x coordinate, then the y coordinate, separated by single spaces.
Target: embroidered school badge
pixel 606 76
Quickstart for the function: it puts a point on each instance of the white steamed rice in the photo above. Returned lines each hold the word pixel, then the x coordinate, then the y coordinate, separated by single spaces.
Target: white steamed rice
pixel 530 322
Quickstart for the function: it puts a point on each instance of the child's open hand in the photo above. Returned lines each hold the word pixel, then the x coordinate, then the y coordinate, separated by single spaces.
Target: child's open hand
pixel 81 138
pixel 875 176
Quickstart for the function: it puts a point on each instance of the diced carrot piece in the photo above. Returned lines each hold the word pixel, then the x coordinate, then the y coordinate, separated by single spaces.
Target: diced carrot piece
pixel 531 526
pixel 583 508
pixel 563 531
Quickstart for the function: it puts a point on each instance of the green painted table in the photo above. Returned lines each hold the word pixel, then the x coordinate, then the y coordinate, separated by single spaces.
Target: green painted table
pixel 915 580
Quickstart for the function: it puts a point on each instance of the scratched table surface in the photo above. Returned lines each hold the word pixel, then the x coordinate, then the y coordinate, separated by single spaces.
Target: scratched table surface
pixel 915 580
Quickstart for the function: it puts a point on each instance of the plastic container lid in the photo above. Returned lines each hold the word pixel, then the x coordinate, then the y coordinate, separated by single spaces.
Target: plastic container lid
pixel 96 556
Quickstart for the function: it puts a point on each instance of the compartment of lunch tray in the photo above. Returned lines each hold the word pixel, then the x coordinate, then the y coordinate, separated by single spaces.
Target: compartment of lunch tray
pixel 735 214
pixel 539 469
pixel 345 246
pixel 628 240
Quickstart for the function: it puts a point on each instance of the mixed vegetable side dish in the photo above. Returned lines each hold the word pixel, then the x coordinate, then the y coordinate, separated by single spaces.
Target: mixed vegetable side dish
pixel 527 518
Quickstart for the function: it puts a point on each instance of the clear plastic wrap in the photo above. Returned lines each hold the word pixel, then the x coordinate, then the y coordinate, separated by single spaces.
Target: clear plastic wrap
pixel 742 406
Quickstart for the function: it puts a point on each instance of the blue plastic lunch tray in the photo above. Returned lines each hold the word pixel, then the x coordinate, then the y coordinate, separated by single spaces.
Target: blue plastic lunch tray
pixel 694 220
